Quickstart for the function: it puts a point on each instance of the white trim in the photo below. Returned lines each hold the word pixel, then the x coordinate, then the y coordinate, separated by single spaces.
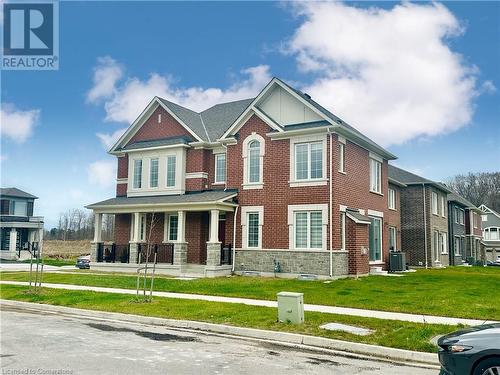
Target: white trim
pixel 192 175
pixel 343 230
pixel 262 151
pixel 122 180
pixel 376 157
pixel 391 199
pixel 341 139
pixel 371 163
pixel 245 210
pixel 356 220
pixel 292 209
pixel 375 213
pixel 342 208
pixel 381 259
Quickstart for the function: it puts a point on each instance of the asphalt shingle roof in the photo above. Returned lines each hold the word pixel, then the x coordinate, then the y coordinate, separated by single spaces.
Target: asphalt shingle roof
pixel 458 198
pixel 408 178
pixel 198 197
pixel 16 193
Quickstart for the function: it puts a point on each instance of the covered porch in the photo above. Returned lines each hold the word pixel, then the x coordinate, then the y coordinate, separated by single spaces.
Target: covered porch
pixel 186 235
pixel 18 235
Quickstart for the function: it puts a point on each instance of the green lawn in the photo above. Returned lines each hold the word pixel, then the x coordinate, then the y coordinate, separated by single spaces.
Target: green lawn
pixel 456 291
pixel 396 334
pixel 55 262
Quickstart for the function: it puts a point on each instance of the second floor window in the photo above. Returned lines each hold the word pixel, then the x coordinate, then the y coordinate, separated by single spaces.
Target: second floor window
pixel 309 161
pixel 137 174
pixel 443 206
pixel 375 176
pixel 392 199
pixel 220 168
pixel 434 203
pixel 341 157
pixel 153 173
pixel 491 234
pixel 254 162
pixel 171 160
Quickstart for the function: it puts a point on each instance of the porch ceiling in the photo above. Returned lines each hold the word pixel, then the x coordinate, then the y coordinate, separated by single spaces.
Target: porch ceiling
pixel 199 201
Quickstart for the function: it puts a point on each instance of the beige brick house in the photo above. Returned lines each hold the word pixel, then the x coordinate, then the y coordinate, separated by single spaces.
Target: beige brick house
pixel 274 183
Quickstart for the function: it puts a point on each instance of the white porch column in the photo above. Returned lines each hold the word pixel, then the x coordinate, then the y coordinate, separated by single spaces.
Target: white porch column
pixel 97 227
pixel 136 227
pixel 214 226
pixel 181 226
pixel 13 240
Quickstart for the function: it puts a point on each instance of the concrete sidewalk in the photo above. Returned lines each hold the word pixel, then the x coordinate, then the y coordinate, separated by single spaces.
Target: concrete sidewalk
pixel 429 319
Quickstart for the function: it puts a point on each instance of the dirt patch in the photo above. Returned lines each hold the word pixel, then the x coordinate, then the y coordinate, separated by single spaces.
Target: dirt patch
pixel 57 249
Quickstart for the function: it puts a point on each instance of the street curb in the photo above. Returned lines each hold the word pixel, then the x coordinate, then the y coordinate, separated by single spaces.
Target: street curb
pixel 373 351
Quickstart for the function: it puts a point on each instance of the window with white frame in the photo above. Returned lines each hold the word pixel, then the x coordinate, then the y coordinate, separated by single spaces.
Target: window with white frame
pixel 392 199
pixel 343 230
pixel 491 233
pixel 443 206
pixel 393 239
pixel 375 176
pixel 252 219
pixel 308 161
pixel 137 173
pixel 308 230
pixel 474 219
pixel 341 157
pixel 375 239
pixel 220 168
pixel 153 172
pixel 436 245
pixel 171 161
pixel 434 203
pixel 253 161
pixel 458 243
pixel 442 243
pixel 460 216
pixel 173 225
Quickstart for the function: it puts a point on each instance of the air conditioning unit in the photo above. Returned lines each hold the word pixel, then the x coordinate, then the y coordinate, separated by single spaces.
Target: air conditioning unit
pixel 397 261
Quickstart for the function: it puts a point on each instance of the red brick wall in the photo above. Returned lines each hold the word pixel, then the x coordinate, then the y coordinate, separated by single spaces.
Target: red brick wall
pixel 393 218
pixel 122 228
pixel 276 194
pixel 122 170
pixel 357 238
pixel 121 190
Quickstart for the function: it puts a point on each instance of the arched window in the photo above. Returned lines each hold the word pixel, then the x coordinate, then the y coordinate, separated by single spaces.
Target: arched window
pixel 254 162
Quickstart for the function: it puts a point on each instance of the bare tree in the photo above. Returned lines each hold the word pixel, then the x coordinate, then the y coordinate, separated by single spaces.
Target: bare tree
pixel 479 188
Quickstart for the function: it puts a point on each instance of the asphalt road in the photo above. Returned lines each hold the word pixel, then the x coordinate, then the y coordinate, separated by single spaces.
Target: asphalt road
pixel 57 344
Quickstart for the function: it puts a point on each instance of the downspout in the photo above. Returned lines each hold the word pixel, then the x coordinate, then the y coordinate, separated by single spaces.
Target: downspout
pixel 425 228
pixel 234 236
pixel 330 183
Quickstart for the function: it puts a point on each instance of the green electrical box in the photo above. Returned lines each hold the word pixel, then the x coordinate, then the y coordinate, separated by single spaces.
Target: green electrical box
pixel 291 307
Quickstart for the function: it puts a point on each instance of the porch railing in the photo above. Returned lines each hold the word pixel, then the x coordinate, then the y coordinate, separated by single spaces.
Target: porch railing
pixel 164 253
pixel 226 254
pixel 113 253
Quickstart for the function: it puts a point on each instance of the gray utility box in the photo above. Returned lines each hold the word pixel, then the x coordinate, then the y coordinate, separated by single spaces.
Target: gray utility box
pixel 397 261
pixel 291 307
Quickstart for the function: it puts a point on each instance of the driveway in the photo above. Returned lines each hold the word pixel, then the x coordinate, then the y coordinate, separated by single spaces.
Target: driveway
pixel 80 346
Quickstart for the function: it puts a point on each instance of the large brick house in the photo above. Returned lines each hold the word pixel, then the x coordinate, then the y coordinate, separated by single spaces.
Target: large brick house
pixel 464 227
pixel 278 179
pixel 424 219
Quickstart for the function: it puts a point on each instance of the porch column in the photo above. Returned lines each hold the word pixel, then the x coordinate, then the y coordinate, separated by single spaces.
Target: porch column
pixel 213 244
pixel 180 246
pixel 133 247
pixel 13 240
pixel 97 227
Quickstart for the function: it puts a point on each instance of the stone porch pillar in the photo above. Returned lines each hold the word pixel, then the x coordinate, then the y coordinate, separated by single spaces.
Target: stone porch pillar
pixel 134 240
pixel 213 244
pixel 180 246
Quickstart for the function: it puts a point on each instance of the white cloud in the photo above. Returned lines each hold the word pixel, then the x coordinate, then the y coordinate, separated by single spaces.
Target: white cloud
pixel 124 99
pixel 390 73
pixel 106 74
pixel 488 87
pixel 17 124
pixel 109 139
pixel 102 173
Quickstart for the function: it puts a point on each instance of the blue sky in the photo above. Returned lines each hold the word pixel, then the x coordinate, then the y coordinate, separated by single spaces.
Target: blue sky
pixel 444 126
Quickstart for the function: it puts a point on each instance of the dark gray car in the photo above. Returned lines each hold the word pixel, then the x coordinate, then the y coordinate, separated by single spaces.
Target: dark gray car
pixel 471 351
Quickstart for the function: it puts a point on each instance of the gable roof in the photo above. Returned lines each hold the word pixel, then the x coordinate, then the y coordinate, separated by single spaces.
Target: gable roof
pixel 215 122
pixel 15 193
pixel 488 210
pixel 458 198
pixel 402 176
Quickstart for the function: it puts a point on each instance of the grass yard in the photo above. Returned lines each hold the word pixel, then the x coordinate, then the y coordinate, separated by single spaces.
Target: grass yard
pixel 464 292
pixel 55 262
pixel 396 334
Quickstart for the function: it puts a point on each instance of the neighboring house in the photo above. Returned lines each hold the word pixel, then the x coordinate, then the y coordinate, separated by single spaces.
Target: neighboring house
pixel 464 228
pixel 283 182
pixel 424 219
pixel 490 221
pixel 18 225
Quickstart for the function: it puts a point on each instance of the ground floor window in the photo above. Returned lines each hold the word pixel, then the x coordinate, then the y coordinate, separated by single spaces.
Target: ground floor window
pixel 251 220
pixel 392 238
pixel 442 243
pixel 308 230
pixel 173 224
pixel 458 245
pixel 375 239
